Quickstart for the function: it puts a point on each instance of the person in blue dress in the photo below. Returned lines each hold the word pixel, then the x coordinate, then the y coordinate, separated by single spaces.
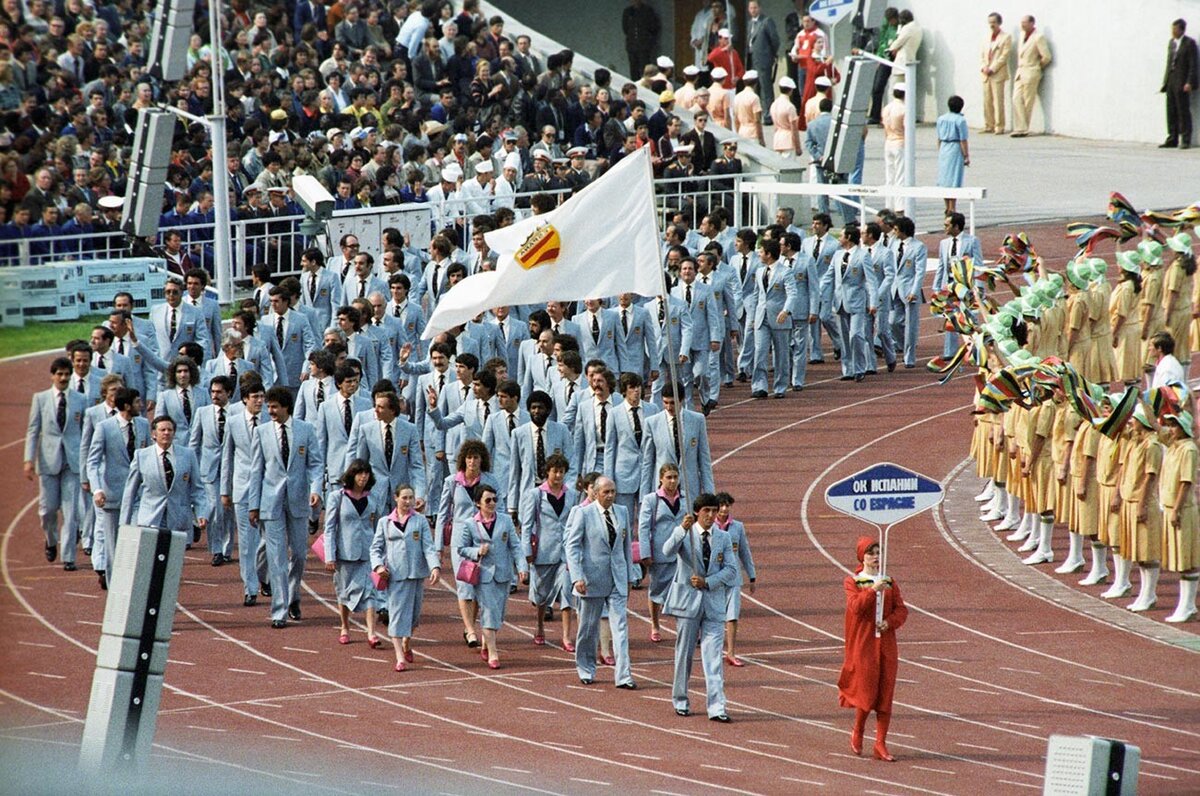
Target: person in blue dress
pixel 745 562
pixel 349 524
pixel 659 513
pixel 405 552
pixel 953 154
pixel 543 515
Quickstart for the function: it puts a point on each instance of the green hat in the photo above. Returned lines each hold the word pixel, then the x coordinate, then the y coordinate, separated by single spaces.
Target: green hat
pixel 1008 347
pixel 1181 242
pixel 1096 391
pixel 1022 357
pixel 1139 414
pixel 1184 419
pixel 1031 307
pixel 1099 267
pixel 1079 273
pixel 1151 252
pixel 1130 261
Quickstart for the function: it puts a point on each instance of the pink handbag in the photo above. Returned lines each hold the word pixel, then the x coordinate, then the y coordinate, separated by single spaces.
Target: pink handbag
pixel 468 572
pixel 318 548
pixel 380 580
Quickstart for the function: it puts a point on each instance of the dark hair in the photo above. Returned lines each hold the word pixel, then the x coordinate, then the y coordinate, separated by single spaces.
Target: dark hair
pixel 852 232
pixel 725 499
pixel 705 500
pixel 826 105
pixel 468 361
pixel 572 360
pixel 957 220
pixel 487 379
pixel 1164 342
pixel 342 373
pixel 381 386
pixel 510 388
pixel 125 398
pixel 955 104
pixel 628 380
pixel 393 400
pixel 823 218
pixel 537 397
pixel 189 364
pixel 905 225
pixel 281 396
pixel 557 461
pixel 224 382
pixel 473 447
pixel 770 247
pixel 875 230
pixel 355 467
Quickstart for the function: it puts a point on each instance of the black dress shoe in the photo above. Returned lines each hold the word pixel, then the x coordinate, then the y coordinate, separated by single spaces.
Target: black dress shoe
pixel 797 388
pixel 909 367
pixel 227 559
pixel 313 527
pixel 816 362
pixel 294 610
pixel 846 378
pixel 755 394
pixel 1185 145
pixel 103 580
pixel 721 718
pixel 628 686
pixel 51 553
pixel 586 680
pixel 706 408
pixel 87 551
pixel 250 600
pixel 891 366
pixel 871 372
pixel 778 395
pixel 278 624
pixel 837 355
pixel 860 377
pixel 218 560
pixel 264 589
pixel 195 534
pixel 69 567
pixel 742 377
pixel 682 712
pixel 1170 143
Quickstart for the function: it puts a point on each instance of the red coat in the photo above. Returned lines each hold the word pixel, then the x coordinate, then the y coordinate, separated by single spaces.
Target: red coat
pixel 731 62
pixel 868 678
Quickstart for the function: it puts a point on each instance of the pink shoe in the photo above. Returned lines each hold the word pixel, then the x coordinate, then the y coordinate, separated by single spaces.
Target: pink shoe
pixel 408 656
pixel 483 654
pixel 373 642
pixel 400 666
pixel 493 664
pixel 344 638
pixel 655 637
pixel 609 660
pixel 568 646
pixel 539 641
pixel 733 661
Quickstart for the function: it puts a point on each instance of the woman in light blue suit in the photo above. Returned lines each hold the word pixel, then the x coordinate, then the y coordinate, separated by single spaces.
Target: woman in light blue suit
pixel 459 494
pixel 658 515
pixel 543 515
pixel 490 538
pixel 404 551
pixel 350 516
pixel 745 562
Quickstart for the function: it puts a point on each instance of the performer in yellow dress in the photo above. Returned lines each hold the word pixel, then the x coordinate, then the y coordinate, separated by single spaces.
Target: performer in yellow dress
pixel 1099 296
pixel 1126 321
pixel 1181 519
pixel 1150 306
pixel 1078 328
pixel 1141 539
pixel 1039 464
pixel 1178 277
pixel 1086 493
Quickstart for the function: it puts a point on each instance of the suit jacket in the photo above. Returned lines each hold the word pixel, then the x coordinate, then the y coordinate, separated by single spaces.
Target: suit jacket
pixel 351 287
pixel 910 270
pixel 407 466
pixel 298 340
pixel 499 441
pixel 190 327
pixel 52 449
pixel 170 403
pixel 605 569
pixel 1032 56
pixel 532 371
pixel 514 333
pixel 522 464
pixel 566 397
pixel 538 518
pixel 882 261
pixel 91 387
pixel 705 148
pixel 210 310
pixel 680 322
pixel 609 323
pixel 623 453
pixel 707 324
pixel 409 551
pixel 745 285
pixel 306 397
pixel 207 444
pixel 325 297
pixel 968 246
pixel 108 458
pixel 850 282
pixel 658 448
pixel 219 366
pixel 92 417
pixel 411 324
pixel 637 349
pixel 720 572
pixel 237 457
pixel 762 45
pixel 348 534
pixel 741 549
pixel 149 501
pixel 330 425
pixel 504 548
pixel 995 55
pixel 1183 68
pixel 278 488
pixel 656 521
pixel 587 444
pixel 781 293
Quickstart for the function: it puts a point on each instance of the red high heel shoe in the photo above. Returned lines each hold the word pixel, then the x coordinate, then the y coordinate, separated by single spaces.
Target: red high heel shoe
pixel 881 753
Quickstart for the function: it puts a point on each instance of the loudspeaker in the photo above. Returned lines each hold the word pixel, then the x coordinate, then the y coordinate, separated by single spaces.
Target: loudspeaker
pixel 147 172
pixel 169 36
pixel 849 116
pixel 869 13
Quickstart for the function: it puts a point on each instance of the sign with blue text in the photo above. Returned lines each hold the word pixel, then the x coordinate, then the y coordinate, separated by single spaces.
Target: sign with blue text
pixel 829 12
pixel 884 494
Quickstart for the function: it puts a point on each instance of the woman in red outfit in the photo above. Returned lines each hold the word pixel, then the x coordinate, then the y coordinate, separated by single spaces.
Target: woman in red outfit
pixel 868 678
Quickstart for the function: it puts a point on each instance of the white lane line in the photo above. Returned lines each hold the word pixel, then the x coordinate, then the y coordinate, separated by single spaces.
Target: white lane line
pixel 80 594
pixel 565 745
pixel 779 688
pixel 976 746
pixel 1157 776
pixel 979 690
pixel 791 638
pixel 436 759
pixel 371 660
pixel 804 781
pixel 200 583
pixel 1049 632
pixel 1147 715
pixel 943 660
pixel 1103 682
pixel 301 649
pixel 821 668
pixel 513 770
pixel 640 757
pixel 89 622
pixel 216 611
pixel 721 768
pixel 463 699
pixel 282 738
pixel 1186 751
pixel 36 644
pixel 539 710
pixel 182 663
pixel 769 743
pixel 206 729
pixel 1019 724
pixel 412 724
pixel 247 671
pixel 592 782
pixel 935 770
pixel 1020 784
pixel 339 715
pixel 382 784
pixel 47 675
pixel 301 773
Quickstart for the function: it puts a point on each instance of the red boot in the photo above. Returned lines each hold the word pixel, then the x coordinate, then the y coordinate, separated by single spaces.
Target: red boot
pixel 882 720
pixel 856 733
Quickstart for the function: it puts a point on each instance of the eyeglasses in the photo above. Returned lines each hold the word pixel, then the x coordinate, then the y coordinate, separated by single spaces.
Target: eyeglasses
pixel 350 246
pixel 489 500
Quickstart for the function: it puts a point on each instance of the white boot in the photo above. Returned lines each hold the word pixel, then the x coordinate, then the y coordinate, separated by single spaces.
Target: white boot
pixel 1012 514
pixel 1044 553
pixel 1099 572
pixel 988 490
pixel 1187 600
pixel 1074 561
pixel 1028 523
pixel 1121 585
pixel 1034 540
pixel 995 509
pixel 1148 594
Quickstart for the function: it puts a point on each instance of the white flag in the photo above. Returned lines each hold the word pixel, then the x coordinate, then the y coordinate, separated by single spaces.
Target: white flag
pixel 601 242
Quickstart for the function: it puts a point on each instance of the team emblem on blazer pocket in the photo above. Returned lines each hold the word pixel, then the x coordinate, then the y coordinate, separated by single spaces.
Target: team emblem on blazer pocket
pixel 693 442
pixel 403 450
pixel 78 416
pixel 504 537
pixel 720 558
pixel 295 336
pixel 416 536
pixel 187 477
pixel 735 547
pixel 610 334
pixel 301 449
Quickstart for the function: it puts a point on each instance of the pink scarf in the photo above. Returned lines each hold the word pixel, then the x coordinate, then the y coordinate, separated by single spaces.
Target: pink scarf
pixel 461 478
pixel 545 487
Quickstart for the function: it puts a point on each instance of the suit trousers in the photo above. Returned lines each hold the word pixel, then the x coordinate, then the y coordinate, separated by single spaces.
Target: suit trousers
pixel 745 359
pixel 879 332
pixel 588 636
pixel 711 633
pixel 853 329
pixel 801 340
pixel 706 374
pixel 729 353
pixel 107 522
pixel 252 561
pixel 1025 92
pixel 905 327
pixel 220 522
pixel 1179 114
pixel 664 376
pixel 993 103
pixel 60 491
pixel 773 343
pixel 87 519
pixel 825 319
pixel 287 549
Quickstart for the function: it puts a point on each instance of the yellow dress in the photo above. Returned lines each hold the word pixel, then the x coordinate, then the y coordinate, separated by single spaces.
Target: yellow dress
pixel 1087 508
pixel 1108 464
pixel 1101 354
pixel 1140 540
pixel 1176 280
pixel 1079 353
pixel 1015 484
pixel 1180 546
pixel 1151 304
pixel 1053 320
pixel 1194 336
pixel 1128 354
pixel 1062 437
pixel 1041 424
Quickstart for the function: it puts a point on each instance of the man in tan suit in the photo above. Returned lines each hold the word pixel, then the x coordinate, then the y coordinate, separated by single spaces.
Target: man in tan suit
pixel 1032 57
pixel 993 64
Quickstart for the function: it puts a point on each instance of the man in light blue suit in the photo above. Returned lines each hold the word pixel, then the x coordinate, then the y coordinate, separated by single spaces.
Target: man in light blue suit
pixel 319 287
pixel 114 444
pixel 195 289
pixel 464 405
pixel 879 326
pixel 706 568
pixel 595 417
pixel 623 453
pixel 292 334
pixel 318 388
pixel 512 331
pixel 821 247
pixel 85 380
pixel 773 315
pixel 230 362
pixel 177 322
pixel 674 337
pixel 360 345
pixel 500 427
pixel 708 330
pixel 804 270
pixel 532 443
pixel 598 330
pixel 727 292
pixel 182 396
pixel 362 281
pixel 559 324
pixel 286 481
pixel 907 296
pixel 598 545
pixel 637 341
pixel 957 244
pixel 105 360
pixel 164 489
pixel 536 366
pixel 237 471
pixel 568 386
pixel 392 446
pixel 52 441
pixel 334 422
pixel 110 385
pixel 660 446
pixel 851 285
pixel 437 377
pixel 134 338
pixel 406 313
pixel 745 264
pixel 491 343
pixel 207 441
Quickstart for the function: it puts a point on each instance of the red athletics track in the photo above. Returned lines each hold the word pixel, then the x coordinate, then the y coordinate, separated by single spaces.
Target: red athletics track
pixel 988 669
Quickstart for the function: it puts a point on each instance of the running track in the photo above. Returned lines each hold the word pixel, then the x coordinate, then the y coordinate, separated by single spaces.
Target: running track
pixel 988 669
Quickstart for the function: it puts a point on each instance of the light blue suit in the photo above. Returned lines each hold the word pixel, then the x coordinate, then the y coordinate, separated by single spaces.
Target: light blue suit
pixel 744 311
pixel 636 350
pixel 967 246
pixel 207 441
pixel 464 422
pixel 824 248
pixel 708 326
pixel 324 297
pixel 55 454
pixel 879 328
pixel 409 552
pixel 279 491
pixel 548 581
pixel 680 321
pixel 170 403
pixel 237 470
pixel 407 465
pixel 219 366
pixel 491 343
pixel 590 450
pixel 306 397
pixel 850 283
pixel 347 538
pixel 741 550
pixel 656 521
pixel 332 434
pixel 514 333
pixel 353 287
pixel 149 501
pixel 910 272
pixel 533 372
pixel 623 453
pixel 658 448
pixel 457 507
pixel 808 301
pixel 566 395
pixel 210 310
pixel 87 506
pixel 772 338
pixel 495 567
pixel 433 438
pixel 190 327
pixel 499 442
pixel 411 323
pixel 606 570
pixel 108 463
pixel 700 612
pixel 264 356
pixel 298 340
pixel 368 350
pixel 522 465
pixel 604 348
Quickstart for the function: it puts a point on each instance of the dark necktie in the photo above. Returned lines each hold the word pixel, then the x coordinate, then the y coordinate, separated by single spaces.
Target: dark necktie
pixel 129 440
pixel 625 321
pixel 187 405
pixel 745 267
pixel 900 253
pixel 437 268
pixel 258 296
pixel 541 454
pixel 285 450
pixel 396 310
pixel 816 248
pixel 612 529
pixel 346 418
pixel 362 288
pixel 596 329
pixel 174 324
pixel 312 287
pixel 885 240
pixel 845 262
pixel 100 361
pixel 441 382
pixel 221 424
pixel 662 313
pixel 687 295
pixel 705 549
pixel 79 385
pixel 168 470
pixel 466 388
pixel 233 374
pixel 556 329
pixel 766 277
pixel 388 444
pixel 570 391
pixel 487 412
pixel 120 345
pixel 320 392
pixel 279 330
pixel 512 422
pixel 60 413
pixel 637 425
pixel 603 422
